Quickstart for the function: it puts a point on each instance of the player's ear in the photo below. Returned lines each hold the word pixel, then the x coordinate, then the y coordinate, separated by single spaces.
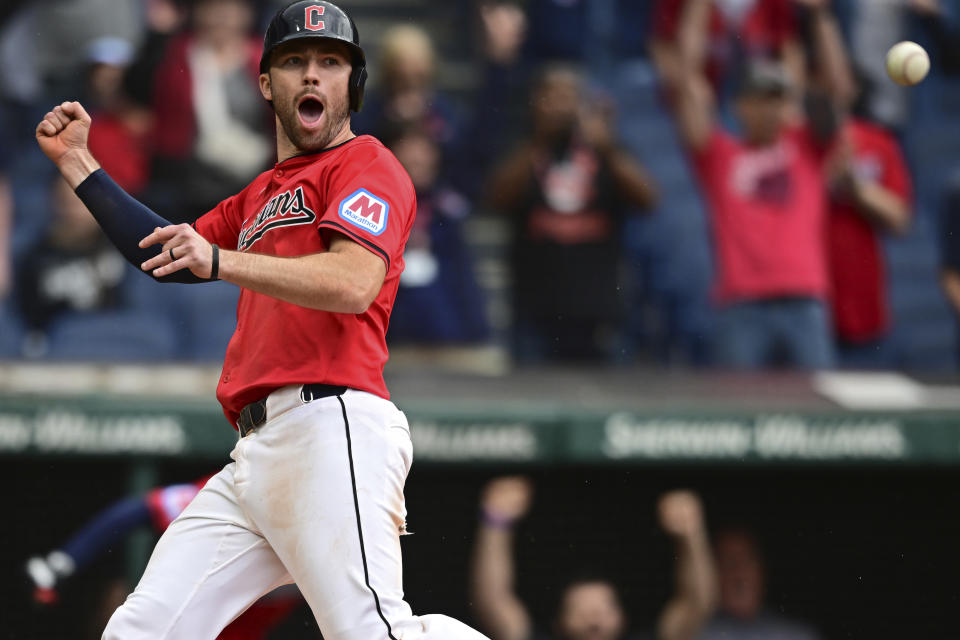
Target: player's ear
pixel 265 88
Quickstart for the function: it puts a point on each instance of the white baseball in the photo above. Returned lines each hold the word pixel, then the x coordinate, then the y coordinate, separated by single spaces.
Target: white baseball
pixel 907 63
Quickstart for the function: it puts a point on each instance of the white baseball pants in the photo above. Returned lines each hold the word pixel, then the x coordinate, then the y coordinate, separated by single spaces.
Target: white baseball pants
pixel 314 496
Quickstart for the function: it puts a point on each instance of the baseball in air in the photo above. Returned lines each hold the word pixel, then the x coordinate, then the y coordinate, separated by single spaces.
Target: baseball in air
pixel 907 63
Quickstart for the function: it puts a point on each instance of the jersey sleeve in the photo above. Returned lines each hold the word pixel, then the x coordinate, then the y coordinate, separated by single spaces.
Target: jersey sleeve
pixel 371 202
pixel 221 225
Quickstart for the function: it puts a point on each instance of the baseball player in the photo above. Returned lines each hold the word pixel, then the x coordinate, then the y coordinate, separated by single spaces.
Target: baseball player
pixel 314 494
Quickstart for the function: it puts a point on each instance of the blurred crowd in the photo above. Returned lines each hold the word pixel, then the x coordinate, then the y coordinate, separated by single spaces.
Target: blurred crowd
pixel 695 182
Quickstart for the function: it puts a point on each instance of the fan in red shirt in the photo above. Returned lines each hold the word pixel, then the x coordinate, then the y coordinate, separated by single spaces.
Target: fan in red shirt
pixel 766 195
pixel 871 191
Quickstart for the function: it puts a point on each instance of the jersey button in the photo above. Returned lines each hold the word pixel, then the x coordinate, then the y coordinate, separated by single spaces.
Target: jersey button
pixel 279 173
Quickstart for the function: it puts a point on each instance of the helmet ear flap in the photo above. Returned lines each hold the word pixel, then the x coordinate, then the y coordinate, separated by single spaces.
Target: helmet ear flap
pixel 358 78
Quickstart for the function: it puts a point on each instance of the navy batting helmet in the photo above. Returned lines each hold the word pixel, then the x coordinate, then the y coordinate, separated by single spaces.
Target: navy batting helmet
pixel 318 19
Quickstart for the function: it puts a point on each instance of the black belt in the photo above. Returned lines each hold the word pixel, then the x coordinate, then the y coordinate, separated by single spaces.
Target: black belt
pixel 255 414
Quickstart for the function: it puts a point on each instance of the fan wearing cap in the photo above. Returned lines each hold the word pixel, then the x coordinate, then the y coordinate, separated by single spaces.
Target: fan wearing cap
pixel 766 195
pixel 314 494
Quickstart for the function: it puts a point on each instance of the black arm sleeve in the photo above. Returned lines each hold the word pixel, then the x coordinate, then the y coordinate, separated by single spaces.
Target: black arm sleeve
pixel 126 221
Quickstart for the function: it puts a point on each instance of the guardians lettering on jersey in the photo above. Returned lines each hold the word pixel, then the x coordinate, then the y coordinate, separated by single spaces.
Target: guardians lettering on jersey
pixel 282 210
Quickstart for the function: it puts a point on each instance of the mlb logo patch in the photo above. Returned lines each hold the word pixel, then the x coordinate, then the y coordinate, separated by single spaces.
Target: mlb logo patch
pixel 365 210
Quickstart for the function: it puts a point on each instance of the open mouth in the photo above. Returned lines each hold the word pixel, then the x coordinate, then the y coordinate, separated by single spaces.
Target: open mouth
pixel 310 109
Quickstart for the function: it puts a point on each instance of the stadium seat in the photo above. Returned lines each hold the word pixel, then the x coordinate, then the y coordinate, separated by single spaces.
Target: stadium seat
pixel 209 317
pixel 30 176
pixel 112 336
pixel 202 315
pixel 11 332
pixel 668 249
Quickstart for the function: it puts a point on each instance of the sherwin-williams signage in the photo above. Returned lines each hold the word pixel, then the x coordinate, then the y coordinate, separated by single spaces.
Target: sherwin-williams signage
pixel 189 428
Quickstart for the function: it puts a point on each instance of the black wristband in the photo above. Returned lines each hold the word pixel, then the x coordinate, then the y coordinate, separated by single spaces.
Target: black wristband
pixel 215 262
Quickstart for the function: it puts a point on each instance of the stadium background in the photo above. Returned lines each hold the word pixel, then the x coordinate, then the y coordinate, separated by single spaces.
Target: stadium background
pixel 856 508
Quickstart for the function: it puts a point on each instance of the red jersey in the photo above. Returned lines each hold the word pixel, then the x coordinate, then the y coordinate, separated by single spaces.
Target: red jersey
pixel 357 189
pixel 768 209
pixel 759 29
pixel 857 270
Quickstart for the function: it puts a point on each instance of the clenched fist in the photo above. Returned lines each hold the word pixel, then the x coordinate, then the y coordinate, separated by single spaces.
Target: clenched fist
pixel 681 513
pixel 63 130
pixel 62 136
pixel 507 498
